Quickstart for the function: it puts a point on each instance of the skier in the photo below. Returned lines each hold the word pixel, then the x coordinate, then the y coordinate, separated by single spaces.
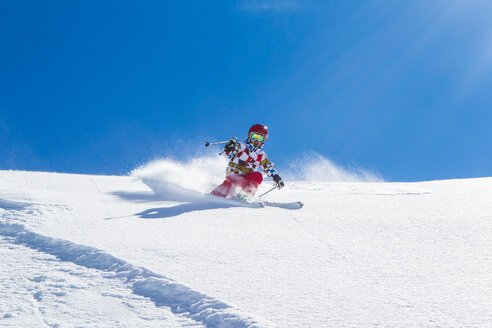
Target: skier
pixel 242 178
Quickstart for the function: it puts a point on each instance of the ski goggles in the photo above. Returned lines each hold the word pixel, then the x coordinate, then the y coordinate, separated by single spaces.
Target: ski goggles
pixel 257 137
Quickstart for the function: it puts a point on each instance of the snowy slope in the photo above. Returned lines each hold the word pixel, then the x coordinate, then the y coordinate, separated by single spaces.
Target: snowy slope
pixel 107 251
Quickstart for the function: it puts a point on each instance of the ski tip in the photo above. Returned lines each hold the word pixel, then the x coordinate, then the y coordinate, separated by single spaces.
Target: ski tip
pixel 301 204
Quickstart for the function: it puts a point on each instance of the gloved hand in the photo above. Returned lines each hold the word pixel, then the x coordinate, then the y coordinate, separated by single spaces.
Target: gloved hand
pixel 230 145
pixel 278 181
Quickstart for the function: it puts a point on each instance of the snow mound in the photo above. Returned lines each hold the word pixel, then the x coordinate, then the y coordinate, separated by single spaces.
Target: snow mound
pixel 12 205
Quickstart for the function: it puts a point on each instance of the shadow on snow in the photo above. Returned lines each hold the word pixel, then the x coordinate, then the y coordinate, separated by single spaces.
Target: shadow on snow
pixel 166 212
pixel 190 204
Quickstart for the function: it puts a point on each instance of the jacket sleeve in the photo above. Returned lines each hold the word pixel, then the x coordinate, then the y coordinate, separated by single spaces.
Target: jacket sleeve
pixel 268 167
pixel 236 150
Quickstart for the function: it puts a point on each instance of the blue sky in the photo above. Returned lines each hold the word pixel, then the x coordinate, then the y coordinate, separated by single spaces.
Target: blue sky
pixel 402 88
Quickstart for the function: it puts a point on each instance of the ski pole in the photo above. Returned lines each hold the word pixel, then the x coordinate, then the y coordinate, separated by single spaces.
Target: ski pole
pixel 234 139
pixel 215 143
pixel 267 192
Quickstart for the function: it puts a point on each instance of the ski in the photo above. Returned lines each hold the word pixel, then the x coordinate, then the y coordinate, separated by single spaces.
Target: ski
pixel 290 206
pixel 258 203
pixel 253 204
pixel 237 202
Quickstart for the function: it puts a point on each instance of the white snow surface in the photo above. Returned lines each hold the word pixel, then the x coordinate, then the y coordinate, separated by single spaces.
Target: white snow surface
pixel 113 251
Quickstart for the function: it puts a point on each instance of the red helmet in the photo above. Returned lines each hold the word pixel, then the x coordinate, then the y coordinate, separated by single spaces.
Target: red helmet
pixel 259 128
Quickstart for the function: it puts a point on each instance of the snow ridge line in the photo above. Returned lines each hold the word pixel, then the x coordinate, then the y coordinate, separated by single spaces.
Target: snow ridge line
pixel 161 290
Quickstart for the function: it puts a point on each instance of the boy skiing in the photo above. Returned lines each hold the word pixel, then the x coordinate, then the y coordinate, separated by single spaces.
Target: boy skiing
pixel 242 178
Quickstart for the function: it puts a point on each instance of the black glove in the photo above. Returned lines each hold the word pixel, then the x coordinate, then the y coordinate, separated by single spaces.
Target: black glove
pixel 230 145
pixel 278 181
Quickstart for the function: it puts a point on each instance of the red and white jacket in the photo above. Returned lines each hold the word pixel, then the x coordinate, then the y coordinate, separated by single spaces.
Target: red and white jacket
pixel 245 158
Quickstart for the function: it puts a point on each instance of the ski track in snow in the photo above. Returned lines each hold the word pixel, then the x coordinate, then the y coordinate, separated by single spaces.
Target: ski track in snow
pixel 40 290
pixel 47 272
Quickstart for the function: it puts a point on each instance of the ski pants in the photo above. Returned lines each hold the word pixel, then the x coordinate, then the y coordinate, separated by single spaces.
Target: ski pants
pixel 234 183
